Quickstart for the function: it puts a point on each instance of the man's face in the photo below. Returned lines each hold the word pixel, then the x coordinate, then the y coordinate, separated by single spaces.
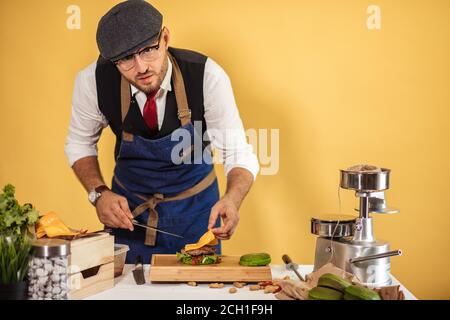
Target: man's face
pixel 148 76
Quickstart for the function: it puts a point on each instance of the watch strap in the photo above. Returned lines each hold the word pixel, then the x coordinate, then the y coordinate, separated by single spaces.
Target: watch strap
pixel 102 188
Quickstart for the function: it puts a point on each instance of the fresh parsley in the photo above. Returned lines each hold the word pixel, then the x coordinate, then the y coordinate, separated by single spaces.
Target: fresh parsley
pixel 14 218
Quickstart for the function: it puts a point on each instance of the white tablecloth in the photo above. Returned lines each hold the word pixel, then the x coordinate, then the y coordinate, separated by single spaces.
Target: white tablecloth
pixel 126 289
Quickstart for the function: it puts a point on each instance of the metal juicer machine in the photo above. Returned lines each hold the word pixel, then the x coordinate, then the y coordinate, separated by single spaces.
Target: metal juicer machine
pixel 348 241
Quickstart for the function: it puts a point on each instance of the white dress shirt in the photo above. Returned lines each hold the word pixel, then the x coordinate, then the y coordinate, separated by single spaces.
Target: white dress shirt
pixel 224 125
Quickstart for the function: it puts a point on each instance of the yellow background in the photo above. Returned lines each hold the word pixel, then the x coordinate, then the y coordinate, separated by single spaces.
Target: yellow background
pixel 339 93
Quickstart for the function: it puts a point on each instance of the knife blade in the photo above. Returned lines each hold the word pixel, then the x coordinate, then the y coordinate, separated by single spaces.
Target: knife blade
pixel 153 228
pixel 138 272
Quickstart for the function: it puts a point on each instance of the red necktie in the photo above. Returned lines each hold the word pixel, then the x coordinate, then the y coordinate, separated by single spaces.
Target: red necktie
pixel 150 114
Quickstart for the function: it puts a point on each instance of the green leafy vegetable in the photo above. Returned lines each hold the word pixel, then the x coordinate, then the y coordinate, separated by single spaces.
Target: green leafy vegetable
pixel 184 257
pixel 15 218
pixel 209 259
pixel 187 258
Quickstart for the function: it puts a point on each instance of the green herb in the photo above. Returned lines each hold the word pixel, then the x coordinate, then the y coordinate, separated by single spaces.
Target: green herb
pixel 15 218
pixel 187 258
pixel 14 258
pixel 184 257
pixel 209 259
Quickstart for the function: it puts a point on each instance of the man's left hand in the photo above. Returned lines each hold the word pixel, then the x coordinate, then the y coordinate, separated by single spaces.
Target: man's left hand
pixel 228 211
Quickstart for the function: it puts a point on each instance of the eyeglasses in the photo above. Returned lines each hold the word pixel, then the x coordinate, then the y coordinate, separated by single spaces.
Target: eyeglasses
pixel 147 54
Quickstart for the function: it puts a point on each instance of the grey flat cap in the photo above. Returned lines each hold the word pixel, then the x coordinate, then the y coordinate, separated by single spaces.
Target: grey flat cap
pixel 126 27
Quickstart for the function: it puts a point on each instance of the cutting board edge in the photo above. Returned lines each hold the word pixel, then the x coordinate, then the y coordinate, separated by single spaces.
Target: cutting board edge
pixel 208 279
pixel 207 273
pixel 217 265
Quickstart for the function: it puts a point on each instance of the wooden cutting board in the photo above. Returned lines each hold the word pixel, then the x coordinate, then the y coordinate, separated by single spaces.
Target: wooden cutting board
pixel 166 268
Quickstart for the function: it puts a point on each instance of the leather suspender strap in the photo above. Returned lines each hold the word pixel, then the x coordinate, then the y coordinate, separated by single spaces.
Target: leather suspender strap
pixel 184 113
pixel 125 96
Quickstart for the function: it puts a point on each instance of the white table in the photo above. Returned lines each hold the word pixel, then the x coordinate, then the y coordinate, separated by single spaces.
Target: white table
pixel 126 289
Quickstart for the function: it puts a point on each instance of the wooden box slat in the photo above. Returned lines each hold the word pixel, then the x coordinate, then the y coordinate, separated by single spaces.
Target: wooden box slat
pixel 81 287
pixel 91 251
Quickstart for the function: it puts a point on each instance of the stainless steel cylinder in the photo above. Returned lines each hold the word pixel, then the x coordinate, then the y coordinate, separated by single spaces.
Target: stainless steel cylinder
pixel 51 248
pixel 365 181
pixel 363 230
pixel 333 226
pixel 374 272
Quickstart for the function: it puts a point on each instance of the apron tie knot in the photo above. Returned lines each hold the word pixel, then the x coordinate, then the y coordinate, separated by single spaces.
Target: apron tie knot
pixel 158 196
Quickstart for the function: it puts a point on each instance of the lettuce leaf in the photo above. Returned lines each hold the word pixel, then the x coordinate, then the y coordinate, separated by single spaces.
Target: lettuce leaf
pixel 14 218
pixel 210 259
pixel 184 257
pixel 187 258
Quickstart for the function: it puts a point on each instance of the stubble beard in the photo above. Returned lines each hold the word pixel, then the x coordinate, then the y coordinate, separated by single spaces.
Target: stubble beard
pixel 159 79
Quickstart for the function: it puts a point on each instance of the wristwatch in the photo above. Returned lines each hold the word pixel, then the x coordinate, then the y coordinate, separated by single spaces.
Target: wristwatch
pixel 96 193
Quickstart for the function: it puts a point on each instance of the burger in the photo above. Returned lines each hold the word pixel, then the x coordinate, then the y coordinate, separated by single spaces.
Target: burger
pixel 202 252
pixel 204 255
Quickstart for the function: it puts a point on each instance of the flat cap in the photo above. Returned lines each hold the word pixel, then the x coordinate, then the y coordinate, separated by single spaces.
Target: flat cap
pixel 126 27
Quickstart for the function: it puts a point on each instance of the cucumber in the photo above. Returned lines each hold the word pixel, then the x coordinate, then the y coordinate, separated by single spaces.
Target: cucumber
pixel 329 280
pixel 360 293
pixel 255 259
pixel 321 293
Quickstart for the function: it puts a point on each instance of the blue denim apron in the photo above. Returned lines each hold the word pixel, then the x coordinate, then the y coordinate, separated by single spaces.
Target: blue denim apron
pixel 172 197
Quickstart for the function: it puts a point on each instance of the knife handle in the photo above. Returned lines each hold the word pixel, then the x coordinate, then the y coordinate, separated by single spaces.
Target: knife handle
pixel 286 259
pixel 138 260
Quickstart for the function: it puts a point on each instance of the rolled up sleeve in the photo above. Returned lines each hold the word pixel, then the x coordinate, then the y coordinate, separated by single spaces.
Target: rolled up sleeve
pixel 87 121
pixel 224 125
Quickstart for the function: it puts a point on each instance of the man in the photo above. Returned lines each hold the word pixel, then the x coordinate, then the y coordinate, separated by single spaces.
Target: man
pixel 150 95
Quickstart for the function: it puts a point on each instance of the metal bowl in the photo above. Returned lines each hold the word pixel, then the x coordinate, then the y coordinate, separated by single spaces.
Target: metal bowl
pixel 333 226
pixel 365 181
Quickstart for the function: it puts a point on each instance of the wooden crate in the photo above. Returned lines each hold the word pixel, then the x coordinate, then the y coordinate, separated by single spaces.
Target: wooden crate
pixel 91 251
pixel 91 281
pixel 166 268
pixel 91 265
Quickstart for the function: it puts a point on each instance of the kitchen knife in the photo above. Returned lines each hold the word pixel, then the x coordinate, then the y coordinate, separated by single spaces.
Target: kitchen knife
pixel 292 266
pixel 138 272
pixel 153 228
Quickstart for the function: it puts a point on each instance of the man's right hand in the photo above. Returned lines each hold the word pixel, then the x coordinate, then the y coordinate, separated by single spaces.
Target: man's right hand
pixel 113 211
